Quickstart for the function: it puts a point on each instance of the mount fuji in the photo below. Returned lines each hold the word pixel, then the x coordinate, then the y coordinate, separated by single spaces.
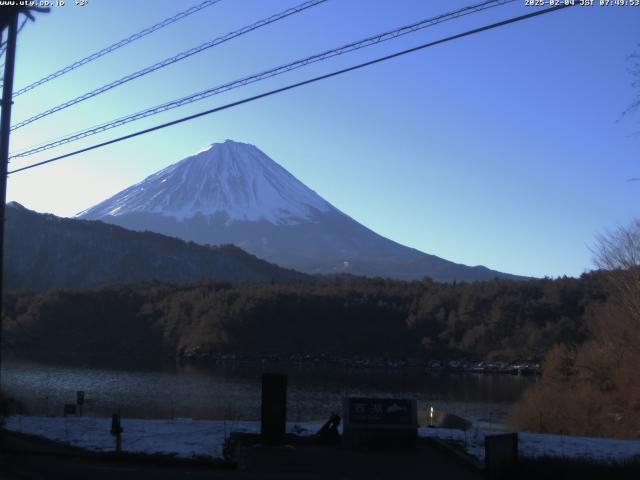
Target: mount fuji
pixel 232 192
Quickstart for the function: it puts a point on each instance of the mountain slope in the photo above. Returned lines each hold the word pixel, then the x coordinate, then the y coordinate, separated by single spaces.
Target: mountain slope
pixel 233 193
pixel 44 251
pixel 233 179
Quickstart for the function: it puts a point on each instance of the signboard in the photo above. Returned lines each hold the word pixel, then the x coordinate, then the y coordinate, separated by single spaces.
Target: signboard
pixel 379 422
pixel 380 412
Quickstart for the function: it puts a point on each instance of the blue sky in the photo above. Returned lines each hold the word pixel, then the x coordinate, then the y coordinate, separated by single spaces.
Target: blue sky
pixel 507 149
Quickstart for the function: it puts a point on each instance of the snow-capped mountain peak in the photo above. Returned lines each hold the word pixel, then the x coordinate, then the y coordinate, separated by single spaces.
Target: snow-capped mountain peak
pixel 232 193
pixel 231 178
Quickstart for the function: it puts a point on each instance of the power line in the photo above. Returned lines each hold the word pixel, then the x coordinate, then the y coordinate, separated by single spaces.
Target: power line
pixel 296 85
pixel 117 45
pixel 169 61
pixel 372 40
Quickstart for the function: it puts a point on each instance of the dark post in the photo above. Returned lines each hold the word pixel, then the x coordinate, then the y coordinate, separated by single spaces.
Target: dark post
pixel 116 431
pixel 80 400
pixel 5 129
pixel 274 407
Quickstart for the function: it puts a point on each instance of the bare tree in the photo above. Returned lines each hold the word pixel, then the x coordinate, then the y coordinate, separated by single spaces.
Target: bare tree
pixel 619 249
pixel 633 68
pixel 619 253
pixel 595 388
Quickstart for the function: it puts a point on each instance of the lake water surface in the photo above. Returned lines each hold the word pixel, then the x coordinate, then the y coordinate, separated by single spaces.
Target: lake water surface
pixel 210 392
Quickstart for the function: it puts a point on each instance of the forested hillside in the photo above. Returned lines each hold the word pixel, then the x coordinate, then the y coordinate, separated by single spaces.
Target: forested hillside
pixel 44 251
pixel 499 319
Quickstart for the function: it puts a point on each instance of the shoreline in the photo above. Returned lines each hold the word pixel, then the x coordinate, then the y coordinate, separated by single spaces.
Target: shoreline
pixel 286 361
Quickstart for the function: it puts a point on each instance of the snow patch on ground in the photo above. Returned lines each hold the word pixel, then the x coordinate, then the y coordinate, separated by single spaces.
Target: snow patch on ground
pixel 536 445
pixel 182 437
pixel 188 438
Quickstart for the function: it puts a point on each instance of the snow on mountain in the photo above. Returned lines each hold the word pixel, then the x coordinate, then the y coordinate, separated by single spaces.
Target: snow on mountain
pixel 233 193
pixel 230 178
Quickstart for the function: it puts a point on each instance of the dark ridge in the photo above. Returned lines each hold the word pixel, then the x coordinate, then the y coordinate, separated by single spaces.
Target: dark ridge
pixel 43 251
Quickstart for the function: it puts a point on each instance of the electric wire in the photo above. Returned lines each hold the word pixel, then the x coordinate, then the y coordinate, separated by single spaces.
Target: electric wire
pixel 170 61
pixel 296 85
pixel 125 41
pixel 372 40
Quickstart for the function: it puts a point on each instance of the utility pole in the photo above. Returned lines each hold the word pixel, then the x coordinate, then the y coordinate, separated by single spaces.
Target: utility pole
pixel 5 127
pixel 9 21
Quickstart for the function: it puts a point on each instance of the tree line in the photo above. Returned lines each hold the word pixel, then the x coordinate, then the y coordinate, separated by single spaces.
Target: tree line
pixel 493 320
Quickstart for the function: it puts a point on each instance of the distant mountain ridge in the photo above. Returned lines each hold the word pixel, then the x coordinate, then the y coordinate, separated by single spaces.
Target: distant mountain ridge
pixel 43 251
pixel 233 193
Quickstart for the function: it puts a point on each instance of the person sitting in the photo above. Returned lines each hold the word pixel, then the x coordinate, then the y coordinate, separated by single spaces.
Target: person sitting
pixel 329 431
